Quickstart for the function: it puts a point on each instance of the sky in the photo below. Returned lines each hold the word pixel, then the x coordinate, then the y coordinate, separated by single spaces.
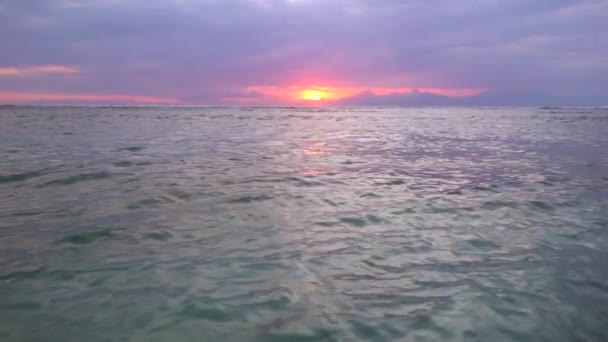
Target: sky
pixel 303 52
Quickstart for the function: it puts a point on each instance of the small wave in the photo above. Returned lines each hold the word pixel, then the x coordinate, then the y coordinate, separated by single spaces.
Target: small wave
pixel 86 237
pixel 498 204
pixel 27 213
pixel 193 311
pixel 123 163
pixel 131 149
pixel 318 334
pixel 179 194
pixel 22 275
pixel 325 223
pixel 541 205
pixel 333 203
pixel 152 202
pixel 361 221
pixel 159 236
pixel 489 188
pixel 250 199
pixel 554 180
pixel 387 268
pixel 127 163
pixel 305 182
pixel 21 177
pixel 371 195
pixel 22 306
pixel 391 182
pixel 83 177
pixel 354 221
pixel 482 245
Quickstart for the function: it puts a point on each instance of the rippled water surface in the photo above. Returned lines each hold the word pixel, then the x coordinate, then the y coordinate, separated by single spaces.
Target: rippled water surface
pixel 295 224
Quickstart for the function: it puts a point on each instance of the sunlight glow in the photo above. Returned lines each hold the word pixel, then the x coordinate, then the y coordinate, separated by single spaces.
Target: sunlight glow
pixel 320 94
pixel 313 95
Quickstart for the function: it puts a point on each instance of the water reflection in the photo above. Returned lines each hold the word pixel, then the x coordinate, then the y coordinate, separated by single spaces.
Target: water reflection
pixel 309 152
pixel 403 224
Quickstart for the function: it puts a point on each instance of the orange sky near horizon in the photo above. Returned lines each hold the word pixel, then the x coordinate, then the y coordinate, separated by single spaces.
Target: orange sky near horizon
pixel 329 93
pixel 295 94
pixel 304 91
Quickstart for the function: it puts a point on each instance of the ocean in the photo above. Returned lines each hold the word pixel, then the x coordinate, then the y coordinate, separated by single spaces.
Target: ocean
pixel 303 224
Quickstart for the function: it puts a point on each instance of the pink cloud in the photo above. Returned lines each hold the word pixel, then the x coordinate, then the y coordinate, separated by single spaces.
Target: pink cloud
pixel 38 69
pixel 18 97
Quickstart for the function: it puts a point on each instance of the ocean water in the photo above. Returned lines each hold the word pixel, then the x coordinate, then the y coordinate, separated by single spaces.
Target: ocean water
pixel 303 224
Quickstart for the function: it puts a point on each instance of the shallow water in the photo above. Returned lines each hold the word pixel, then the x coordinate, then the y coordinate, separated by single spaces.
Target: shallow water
pixel 296 224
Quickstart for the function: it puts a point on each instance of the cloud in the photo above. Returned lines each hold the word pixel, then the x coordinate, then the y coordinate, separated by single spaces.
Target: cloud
pixel 19 97
pixel 338 94
pixel 413 98
pixel 38 70
pixel 206 51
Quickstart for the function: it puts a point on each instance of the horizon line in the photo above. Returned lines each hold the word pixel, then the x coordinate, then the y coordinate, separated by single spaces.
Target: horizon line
pixel 544 106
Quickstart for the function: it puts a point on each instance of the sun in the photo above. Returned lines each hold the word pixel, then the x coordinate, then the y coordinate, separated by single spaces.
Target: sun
pixel 312 95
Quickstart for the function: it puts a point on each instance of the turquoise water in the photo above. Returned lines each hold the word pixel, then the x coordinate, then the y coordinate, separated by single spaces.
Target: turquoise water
pixel 296 224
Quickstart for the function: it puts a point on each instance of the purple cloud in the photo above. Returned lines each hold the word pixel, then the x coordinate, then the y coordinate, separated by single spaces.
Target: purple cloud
pixel 204 51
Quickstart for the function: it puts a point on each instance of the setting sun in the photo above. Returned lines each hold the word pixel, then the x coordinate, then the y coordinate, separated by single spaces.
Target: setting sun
pixel 312 95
